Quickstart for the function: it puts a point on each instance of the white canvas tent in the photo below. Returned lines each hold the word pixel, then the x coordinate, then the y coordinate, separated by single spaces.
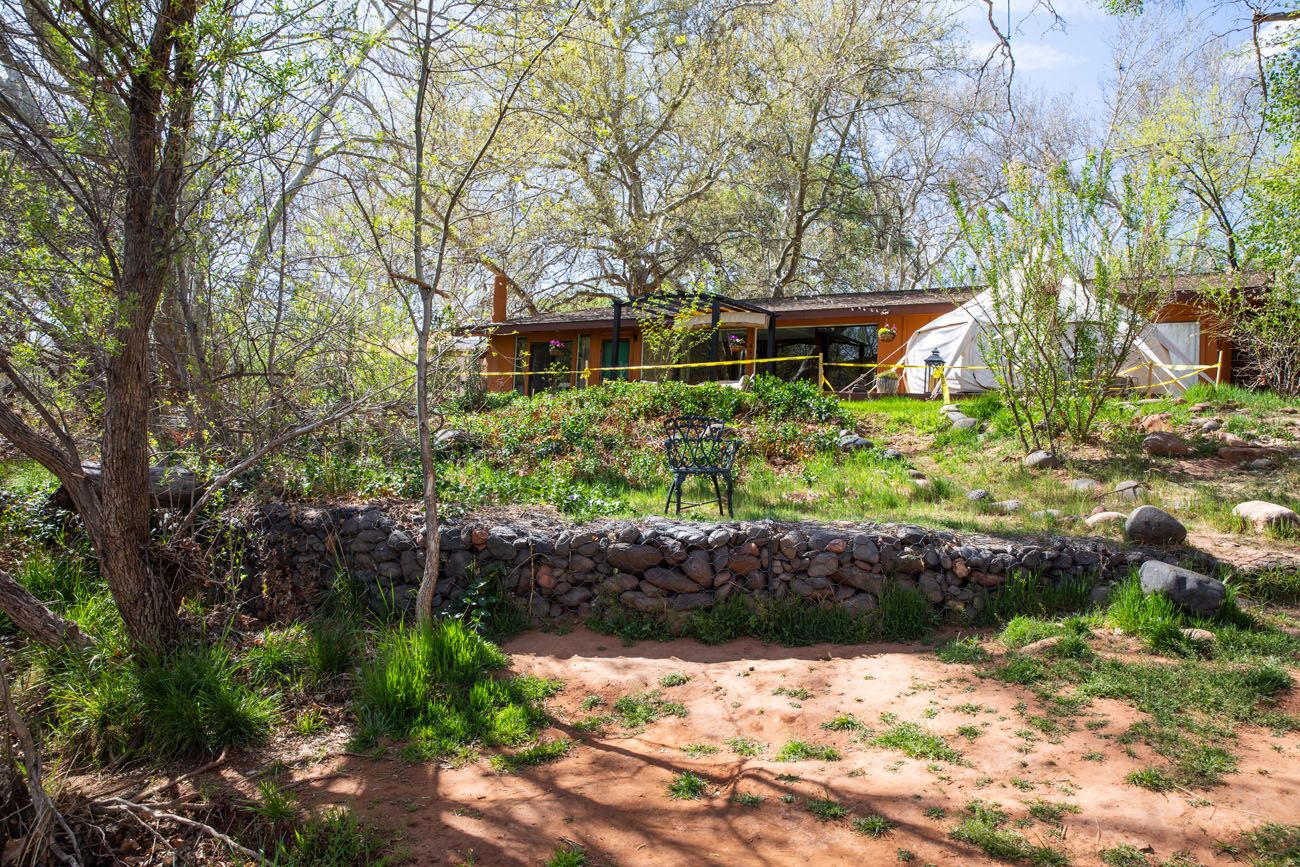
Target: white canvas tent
pixel 958 338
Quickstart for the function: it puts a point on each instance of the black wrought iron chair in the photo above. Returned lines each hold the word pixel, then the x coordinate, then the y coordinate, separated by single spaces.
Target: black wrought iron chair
pixel 699 446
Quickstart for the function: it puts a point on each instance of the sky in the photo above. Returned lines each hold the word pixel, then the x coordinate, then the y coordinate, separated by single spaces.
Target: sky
pixel 1075 58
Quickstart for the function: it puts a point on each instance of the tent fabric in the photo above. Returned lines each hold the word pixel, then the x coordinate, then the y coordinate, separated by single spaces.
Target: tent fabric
pixel 957 337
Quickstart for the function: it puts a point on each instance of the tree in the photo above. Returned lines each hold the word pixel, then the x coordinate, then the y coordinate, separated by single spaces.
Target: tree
pixel 127 126
pixel 441 151
pixel 98 109
pixel 1056 351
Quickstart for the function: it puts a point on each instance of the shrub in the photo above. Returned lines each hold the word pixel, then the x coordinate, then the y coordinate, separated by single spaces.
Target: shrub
pixel 799 400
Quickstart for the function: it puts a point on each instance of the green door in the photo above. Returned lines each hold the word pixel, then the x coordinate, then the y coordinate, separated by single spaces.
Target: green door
pixel 608 359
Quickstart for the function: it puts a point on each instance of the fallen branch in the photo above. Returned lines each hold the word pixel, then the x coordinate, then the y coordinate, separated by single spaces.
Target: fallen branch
pixel 150 791
pixel 42 833
pixel 123 805
pixel 34 618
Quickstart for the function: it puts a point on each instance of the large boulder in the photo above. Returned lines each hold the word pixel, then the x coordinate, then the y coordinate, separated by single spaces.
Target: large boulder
pixel 1161 421
pixel 851 442
pixel 169 487
pixel 1197 593
pixel 1263 516
pixel 1041 460
pixel 1148 525
pixel 1103 519
pixel 1164 444
pixel 1085 486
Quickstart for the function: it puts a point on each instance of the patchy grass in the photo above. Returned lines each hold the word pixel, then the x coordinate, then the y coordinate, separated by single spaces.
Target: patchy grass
pixel 674 679
pixel 983 829
pixel 743 746
pixel 699 751
pixel 537 754
pixel 874 826
pixel 639 709
pixel 844 723
pixel 801 751
pixel 747 799
pixel 962 651
pixel 568 856
pixel 917 743
pixel 687 786
pixel 826 810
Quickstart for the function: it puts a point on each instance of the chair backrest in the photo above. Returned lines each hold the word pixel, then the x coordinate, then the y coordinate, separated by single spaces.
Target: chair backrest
pixel 697 442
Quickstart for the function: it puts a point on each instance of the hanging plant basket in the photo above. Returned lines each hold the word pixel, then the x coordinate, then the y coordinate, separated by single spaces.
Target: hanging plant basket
pixel 558 349
pixel 887 334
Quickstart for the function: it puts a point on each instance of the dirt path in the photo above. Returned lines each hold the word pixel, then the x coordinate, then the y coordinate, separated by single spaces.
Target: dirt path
pixel 610 793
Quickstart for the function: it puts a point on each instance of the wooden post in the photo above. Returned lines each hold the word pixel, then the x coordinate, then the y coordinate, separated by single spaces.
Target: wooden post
pixel 1218 369
pixel 716 343
pixel 613 353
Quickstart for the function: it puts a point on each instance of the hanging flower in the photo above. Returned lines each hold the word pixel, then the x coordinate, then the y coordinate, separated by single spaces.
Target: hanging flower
pixel 558 344
pixel 886 333
pixel 736 339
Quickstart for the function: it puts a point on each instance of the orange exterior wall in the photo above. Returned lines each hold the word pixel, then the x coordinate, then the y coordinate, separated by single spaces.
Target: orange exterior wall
pixel 906 321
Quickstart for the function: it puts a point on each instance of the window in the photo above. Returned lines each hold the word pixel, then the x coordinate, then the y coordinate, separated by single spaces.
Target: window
pixel 609 359
pixel 584 358
pixel 521 364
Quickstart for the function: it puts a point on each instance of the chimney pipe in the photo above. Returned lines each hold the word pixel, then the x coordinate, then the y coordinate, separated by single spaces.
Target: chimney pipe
pixel 499 283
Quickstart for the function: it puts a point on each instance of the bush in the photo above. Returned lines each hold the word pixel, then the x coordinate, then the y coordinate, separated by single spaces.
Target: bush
pixel 800 400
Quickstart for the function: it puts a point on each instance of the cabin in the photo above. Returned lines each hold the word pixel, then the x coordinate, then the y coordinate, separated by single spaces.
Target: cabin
pixel 839 339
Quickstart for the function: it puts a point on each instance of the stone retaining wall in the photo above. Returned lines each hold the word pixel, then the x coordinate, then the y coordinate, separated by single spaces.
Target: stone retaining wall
pixel 652 565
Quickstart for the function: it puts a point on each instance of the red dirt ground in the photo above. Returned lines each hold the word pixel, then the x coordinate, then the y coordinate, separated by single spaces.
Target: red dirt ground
pixel 610 793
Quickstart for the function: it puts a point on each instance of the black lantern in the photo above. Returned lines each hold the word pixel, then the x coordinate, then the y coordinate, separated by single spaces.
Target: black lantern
pixel 933 369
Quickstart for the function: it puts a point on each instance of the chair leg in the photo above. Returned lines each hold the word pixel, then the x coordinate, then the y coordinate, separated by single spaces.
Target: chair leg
pixel 730 513
pixel 681 483
pixel 717 489
pixel 671 487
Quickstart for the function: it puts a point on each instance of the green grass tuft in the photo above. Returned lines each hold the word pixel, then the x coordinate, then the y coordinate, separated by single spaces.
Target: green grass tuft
pixel 875 826
pixel 962 650
pixel 537 754
pixel 826 810
pixel 687 786
pixel 915 742
pixel 800 751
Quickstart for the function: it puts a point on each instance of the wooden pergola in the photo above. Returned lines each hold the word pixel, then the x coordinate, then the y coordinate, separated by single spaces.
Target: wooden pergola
pixel 672 304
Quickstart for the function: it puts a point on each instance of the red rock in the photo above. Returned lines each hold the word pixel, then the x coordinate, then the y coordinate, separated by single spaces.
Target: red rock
pixel 1166 445
pixel 1161 421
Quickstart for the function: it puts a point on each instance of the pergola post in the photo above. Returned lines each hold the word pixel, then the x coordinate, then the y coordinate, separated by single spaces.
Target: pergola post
pixel 716 348
pixel 613 353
